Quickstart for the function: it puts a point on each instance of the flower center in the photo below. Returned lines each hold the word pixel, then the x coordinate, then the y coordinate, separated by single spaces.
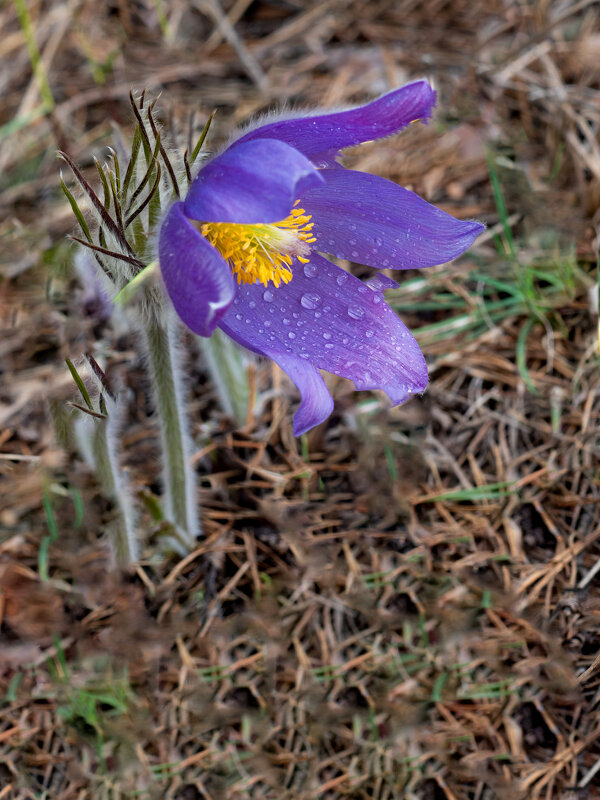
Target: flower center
pixel 263 252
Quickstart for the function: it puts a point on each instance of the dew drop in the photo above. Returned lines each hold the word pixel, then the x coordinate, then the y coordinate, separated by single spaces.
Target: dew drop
pixel 369 333
pixel 310 270
pixel 341 278
pixel 291 335
pixel 286 321
pixel 356 312
pixel 268 296
pixel 267 323
pixel 376 299
pixel 327 335
pixel 329 345
pixel 355 254
pixel 238 316
pixel 310 300
pixel 252 304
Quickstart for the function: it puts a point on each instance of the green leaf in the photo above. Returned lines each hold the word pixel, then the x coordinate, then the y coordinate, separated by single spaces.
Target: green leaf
pixel 203 135
pixel 76 210
pixel 80 384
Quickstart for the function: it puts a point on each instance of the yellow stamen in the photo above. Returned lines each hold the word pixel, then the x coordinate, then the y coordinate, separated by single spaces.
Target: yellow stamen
pixel 260 252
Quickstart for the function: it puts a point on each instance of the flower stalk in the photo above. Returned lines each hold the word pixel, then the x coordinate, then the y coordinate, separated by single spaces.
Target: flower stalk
pixel 98 434
pixel 123 534
pixel 228 367
pixel 179 483
pixel 127 211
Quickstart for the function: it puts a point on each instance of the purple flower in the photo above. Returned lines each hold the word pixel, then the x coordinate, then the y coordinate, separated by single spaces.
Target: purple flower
pixel 266 208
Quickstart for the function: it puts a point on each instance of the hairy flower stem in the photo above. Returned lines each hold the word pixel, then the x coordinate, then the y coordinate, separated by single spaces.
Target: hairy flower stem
pixel 115 485
pixel 228 367
pixel 179 477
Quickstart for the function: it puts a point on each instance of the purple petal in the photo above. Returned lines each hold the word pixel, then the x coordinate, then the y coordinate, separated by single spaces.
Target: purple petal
pixel 251 182
pixel 316 403
pixel 332 321
pixel 322 137
pixel 198 281
pixel 376 222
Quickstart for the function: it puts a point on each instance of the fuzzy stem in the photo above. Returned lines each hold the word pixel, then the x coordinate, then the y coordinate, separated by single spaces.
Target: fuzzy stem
pixel 228 367
pixel 114 483
pixel 179 477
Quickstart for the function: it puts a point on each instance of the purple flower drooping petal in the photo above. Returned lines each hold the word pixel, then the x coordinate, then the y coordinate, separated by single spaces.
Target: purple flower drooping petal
pixel 373 221
pixel 322 137
pixel 316 402
pixel 330 319
pixel 198 280
pixel 251 182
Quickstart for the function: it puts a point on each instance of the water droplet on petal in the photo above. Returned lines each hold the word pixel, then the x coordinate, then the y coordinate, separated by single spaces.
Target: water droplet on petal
pixel 291 335
pixel 329 345
pixel 286 321
pixel 268 296
pixel 252 304
pixel 341 278
pixel 356 312
pixel 369 333
pixel 355 254
pixel 310 300
pixel 327 335
pixel 238 316
pixel 310 270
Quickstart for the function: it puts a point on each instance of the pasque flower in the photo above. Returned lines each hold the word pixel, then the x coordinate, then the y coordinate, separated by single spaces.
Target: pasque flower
pixel 244 250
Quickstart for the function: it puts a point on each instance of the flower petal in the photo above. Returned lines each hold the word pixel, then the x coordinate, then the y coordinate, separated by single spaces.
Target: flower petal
pixel 330 319
pixel 198 280
pixel 251 182
pixel 316 403
pixel 373 221
pixel 322 137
